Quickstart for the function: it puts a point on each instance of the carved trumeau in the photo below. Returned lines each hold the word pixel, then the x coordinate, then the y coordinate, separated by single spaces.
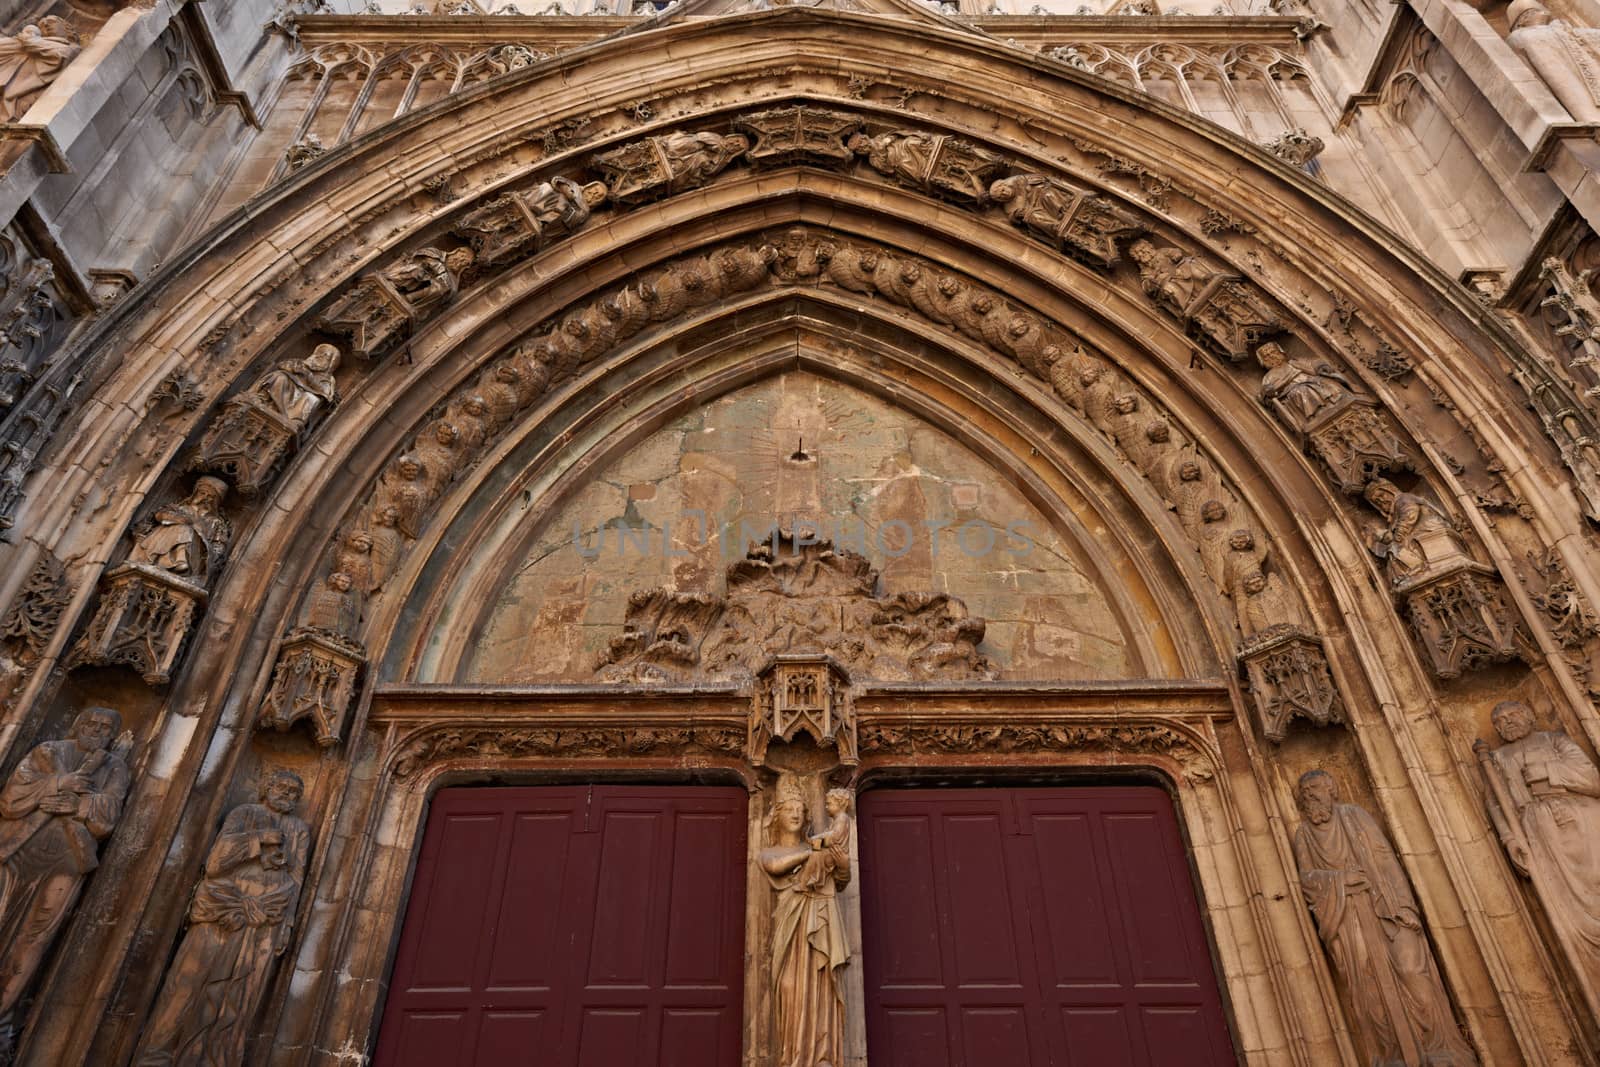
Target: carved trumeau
pixel 315 679
pixel 60 802
pixel 671 163
pixel 519 223
pixel 933 162
pixel 1316 401
pixel 803 694
pixel 1082 223
pixel 239 924
pixel 1372 928
pixel 250 438
pixel 148 604
pixel 809 943
pixel 800 134
pixel 385 306
pixel 1220 307
pixel 802 597
pixel 1544 799
pixel 1456 606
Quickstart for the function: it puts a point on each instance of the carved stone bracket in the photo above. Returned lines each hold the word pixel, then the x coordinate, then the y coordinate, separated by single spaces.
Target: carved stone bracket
pixel 1461 618
pixel 1287 672
pixel 144 617
pixel 247 444
pixel 1350 437
pixel 315 679
pixel 800 134
pixel 803 694
pixel 935 163
pixel 1219 307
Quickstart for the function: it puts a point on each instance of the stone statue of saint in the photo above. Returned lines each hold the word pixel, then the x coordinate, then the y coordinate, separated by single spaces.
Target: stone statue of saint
pixel 1544 799
pixel 31 60
pixel 63 799
pixel 239 925
pixel 1372 928
pixel 1299 388
pixel 189 538
pixel 1418 537
pixel 296 389
pixel 808 939
pixel 1566 57
pixel 1171 276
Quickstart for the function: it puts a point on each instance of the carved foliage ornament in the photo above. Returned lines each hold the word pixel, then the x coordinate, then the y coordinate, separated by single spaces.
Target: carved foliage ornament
pixel 27 626
pixel 437 744
pixel 1195 761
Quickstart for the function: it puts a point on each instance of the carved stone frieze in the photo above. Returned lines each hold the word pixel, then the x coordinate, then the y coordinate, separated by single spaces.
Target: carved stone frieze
pixel 250 438
pixel 1287 672
pixel 387 305
pixel 1196 762
pixel 1228 313
pixel 315 679
pixel 794 596
pixel 521 222
pixel 436 744
pixel 61 801
pixel 800 134
pixel 1082 223
pixel 933 162
pixel 667 164
pixel 803 694
pixel 240 919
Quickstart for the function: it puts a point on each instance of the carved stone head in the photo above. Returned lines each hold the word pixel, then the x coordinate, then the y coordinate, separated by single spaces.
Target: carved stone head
pixel 1241 540
pixel 208 494
pixel 1213 511
pixel 340 581
pixel 1520 14
pixel 1315 796
pixel 281 790
pixel 1127 404
pixel 458 260
pixel 1189 471
pixel 1158 433
pixel 1254 583
pixel 93 728
pixel 1381 493
pixel 1271 355
pixel 324 359
pixel 838 801
pixel 1513 720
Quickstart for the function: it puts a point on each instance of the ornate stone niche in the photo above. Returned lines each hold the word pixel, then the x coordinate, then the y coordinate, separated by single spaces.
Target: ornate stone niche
pixel 790 135
pixel 1226 312
pixel 1079 222
pixel 660 166
pixel 315 679
pixel 1287 671
pixel 1343 429
pixel 803 694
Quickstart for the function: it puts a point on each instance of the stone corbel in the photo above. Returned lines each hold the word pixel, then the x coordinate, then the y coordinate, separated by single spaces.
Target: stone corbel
pixel 1461 618
pixel 143 621
pixel 1287 673
pixel 316 679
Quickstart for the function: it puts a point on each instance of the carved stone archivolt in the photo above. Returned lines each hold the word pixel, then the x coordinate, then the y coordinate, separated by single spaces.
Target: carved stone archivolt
pixel 385 306
pixel 800 134
pixel 1563 383
pixel 523 221
pixel 1080 222
pixel 148 604
pixel 933 162
pixel 251 437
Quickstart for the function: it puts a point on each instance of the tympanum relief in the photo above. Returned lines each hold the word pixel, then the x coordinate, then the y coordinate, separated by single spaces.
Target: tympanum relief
pixel 1543 794
pixel 148 603
pixel 60 802
pixel 1372 929
pixel 239 924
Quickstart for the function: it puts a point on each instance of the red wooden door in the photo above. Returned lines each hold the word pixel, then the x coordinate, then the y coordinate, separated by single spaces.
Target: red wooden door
pixel 573 926
pixel 1033 927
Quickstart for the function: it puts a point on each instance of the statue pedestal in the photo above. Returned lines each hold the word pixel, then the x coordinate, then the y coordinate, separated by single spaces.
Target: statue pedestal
pixel 144 616
pixel 1352 440
pixel 798 694
pixel 247 444
pixel 315 679
pixel 1287 674
pixel 1461 619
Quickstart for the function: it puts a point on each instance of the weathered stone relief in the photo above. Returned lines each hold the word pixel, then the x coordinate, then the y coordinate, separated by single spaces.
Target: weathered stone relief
pixel 303 153
pixel 802 693
pixel 1225 311
pixel 671 163
pixel 248 441
pixel 436 744
pixel 1544 800
pixel 1076 220
pixel 1562 384
pixel 318 668
pixel 800 134
pixel 809 946
pixel 1456 606
pixel 29 321
pixel 1196 761
pixel 386 305
pixel 1372 929
pixel 31 60
pixel 1567 57
pixel 60 802
pixel 29 623
pixel 933 162
pixel 1295 147
pixel 240 919
pixel 521 222
pixel 149 602
pixel 795 596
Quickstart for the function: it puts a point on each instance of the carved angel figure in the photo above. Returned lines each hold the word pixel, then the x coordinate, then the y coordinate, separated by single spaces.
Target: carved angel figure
pixel 1418 537
pixel 239 925
pixel 808 937
pixel 1299 388
pixel 31 60
pixel 63 799
pixel 189 538
pixel 1372 928
pixel 1544 799
pixel 1567 57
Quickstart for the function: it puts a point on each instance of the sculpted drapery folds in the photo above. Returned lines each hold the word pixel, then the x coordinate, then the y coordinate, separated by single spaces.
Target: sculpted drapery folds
pixel 384 305
pixel 62 800
pixel 808 937
pixel 1567 57
pixel 1544 800
pixel 1317 402
pixel 239 924
pixel 1074 219
pixel 253 433
pixel 190 538
pixel 1372 928
pixel 31 60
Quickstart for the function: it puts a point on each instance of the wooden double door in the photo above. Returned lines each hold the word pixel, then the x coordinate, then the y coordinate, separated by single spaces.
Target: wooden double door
pixel 1033 927
pixel 583 926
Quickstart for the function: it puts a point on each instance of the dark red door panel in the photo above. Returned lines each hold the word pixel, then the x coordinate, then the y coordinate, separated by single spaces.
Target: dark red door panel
pixel 573 927
pixel 1034 927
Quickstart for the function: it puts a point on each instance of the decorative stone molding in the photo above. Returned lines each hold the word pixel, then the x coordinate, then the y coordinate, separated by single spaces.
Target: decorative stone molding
pixel 315 679
pixel 797 694
pixel 1288 677
pixel 30 622
pixel 885 739
pixel 438 743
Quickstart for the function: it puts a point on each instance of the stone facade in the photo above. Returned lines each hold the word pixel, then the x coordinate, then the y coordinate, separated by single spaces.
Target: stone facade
pixel 817 395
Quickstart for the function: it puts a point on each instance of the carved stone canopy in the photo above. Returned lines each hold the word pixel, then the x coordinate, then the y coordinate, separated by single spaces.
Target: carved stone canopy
pixel 802 694
pixel 793 595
